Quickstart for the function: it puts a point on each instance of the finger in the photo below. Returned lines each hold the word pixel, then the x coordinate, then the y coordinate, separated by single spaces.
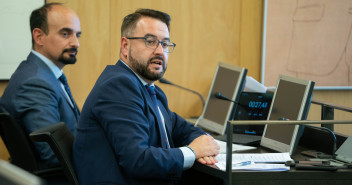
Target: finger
pixel 211 160
pixel 201 160
pixel 207 160
pixel 215 160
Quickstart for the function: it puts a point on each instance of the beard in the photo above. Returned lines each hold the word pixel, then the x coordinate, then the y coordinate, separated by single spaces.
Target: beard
pixel 71 59
pixel 144 71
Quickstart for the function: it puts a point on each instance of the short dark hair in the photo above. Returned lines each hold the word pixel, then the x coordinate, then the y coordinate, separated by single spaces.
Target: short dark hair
pixel 39 18
pixel 130 21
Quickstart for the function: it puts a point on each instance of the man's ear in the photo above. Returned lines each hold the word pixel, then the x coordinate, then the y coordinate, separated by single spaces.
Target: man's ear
pixel 124 47
pixel 38 36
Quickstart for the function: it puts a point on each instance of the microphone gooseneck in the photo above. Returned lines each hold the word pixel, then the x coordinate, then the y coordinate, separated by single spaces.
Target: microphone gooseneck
pixel 332 134
pixel 322 128
pixel 164 81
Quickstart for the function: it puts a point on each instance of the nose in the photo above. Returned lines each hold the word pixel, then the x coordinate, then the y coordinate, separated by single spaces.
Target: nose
pixel 74 41
pixel 159 49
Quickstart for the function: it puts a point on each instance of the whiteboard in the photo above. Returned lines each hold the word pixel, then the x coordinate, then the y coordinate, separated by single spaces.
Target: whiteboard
pixel 15 34
pixel 308 39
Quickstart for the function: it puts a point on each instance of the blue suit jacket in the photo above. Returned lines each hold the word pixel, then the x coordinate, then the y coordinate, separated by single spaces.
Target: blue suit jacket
pixel 117 139
pixel 34 97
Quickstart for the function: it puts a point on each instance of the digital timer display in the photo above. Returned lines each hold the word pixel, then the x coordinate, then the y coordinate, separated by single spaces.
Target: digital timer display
pixel 257 104
pixel 252 106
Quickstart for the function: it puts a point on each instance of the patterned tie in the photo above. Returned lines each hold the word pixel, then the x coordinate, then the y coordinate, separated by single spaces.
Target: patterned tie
pixel 63 80
pixel 162 130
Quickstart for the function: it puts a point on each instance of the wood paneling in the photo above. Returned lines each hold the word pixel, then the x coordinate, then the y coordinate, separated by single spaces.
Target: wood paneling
pixel 205 31
pixel 94 51
pixel 4 154
pixel 3 84
pixel 343 98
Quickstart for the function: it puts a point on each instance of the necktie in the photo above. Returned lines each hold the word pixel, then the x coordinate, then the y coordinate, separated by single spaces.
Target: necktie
pixel 162 130
pixel 63 80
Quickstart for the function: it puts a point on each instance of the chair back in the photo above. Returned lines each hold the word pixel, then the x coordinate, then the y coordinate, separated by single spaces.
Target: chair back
pixel 18 144
pixel 60 139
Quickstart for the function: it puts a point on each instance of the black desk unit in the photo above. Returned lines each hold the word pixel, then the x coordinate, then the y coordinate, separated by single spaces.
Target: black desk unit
pixel 203 174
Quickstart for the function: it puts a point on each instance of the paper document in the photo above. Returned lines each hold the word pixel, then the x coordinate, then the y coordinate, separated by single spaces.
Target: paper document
pixel 256 167
pixel 235 147
pixel 253 85
pixel 256 162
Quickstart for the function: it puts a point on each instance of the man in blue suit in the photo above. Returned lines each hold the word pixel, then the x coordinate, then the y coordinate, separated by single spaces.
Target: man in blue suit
pixel 37 94
pixel 126 133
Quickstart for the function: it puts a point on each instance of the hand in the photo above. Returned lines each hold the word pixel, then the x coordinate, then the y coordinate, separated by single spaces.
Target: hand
pixel 210 160
pixel 204 146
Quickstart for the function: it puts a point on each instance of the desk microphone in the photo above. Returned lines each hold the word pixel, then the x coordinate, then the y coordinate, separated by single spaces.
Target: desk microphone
pixel 332 134
pixel 321 128
pixel 164 81
pixel 220 96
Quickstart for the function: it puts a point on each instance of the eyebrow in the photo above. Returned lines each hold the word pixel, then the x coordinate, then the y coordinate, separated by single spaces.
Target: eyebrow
pixel 69 30
pixel 151 35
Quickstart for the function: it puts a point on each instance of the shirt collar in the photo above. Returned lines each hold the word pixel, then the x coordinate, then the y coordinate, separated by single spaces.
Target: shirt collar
pixel 140 79
pixel 56 70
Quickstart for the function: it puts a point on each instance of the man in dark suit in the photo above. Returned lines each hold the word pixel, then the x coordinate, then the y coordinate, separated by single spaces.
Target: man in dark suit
pixel 37 94
pixel 126 133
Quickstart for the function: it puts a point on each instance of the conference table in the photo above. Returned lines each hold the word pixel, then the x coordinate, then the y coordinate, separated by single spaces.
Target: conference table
pixel 210 174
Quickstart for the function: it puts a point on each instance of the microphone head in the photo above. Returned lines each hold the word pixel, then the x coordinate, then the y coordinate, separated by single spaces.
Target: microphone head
pixel 218 95
pixel 221 96
pixel 164 81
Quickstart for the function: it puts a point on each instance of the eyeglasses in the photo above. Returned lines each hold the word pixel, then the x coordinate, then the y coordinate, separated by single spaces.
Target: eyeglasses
pixel 153 43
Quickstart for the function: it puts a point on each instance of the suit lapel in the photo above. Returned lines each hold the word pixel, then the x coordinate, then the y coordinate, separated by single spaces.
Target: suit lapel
pixel 154 111
pixel 51 78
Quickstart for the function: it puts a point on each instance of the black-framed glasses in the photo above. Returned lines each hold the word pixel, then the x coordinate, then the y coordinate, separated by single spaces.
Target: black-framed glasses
pixel 153 43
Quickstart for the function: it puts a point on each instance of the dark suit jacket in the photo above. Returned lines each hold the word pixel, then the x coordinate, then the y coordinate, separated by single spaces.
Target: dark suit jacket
pixel 117 140
pixel 34 97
